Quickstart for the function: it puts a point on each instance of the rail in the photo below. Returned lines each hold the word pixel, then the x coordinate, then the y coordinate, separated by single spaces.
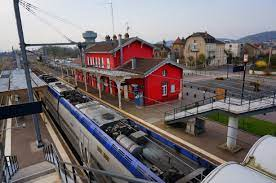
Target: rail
pixel 228 104
pixel 9 167
pixel 70 173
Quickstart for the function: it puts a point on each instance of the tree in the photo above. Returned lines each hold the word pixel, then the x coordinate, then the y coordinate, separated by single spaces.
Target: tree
pixel 191 59
pixel 202 59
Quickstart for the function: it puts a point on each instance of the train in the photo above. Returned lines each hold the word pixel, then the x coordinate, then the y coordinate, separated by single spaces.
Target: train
pixel 116 143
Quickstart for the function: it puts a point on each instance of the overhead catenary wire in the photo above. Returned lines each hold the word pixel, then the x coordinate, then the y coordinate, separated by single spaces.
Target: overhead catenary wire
pixel 27 7
pixel 63 20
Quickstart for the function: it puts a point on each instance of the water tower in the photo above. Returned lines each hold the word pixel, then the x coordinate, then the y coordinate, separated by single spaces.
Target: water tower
pixel 89 36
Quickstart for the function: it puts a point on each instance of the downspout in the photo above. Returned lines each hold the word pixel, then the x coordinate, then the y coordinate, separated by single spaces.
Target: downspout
pixel 121 50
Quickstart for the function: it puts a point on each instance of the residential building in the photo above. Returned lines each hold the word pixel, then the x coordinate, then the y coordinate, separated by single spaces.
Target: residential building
pixel 178 48
pixel 161 51
pixel 220 57
pixel 203 45
pixel 126 68
pixel 252 50
pixel 235 48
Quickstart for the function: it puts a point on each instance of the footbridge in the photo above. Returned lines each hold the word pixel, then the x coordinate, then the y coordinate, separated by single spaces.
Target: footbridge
pixel 235 107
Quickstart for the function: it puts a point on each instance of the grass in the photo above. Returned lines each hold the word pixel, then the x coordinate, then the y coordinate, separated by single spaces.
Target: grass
pixel 249 124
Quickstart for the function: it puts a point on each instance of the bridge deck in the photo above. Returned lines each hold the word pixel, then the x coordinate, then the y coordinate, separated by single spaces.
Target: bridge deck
pixel 230 105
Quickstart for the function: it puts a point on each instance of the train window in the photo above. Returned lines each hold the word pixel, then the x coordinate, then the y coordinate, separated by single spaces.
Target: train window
pixel 99 150
pixel 105 157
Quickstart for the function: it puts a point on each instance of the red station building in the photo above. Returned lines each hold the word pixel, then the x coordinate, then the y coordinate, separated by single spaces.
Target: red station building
pixel 150 80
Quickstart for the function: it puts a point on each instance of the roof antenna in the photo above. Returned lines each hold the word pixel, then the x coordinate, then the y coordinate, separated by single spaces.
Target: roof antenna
pixel 112 16
pixel 127 27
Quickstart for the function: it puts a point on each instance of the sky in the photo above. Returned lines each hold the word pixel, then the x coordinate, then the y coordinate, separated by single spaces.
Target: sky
pixel 152 20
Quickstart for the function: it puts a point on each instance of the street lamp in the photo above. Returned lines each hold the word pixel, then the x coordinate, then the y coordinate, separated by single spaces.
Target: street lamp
pixel 245 61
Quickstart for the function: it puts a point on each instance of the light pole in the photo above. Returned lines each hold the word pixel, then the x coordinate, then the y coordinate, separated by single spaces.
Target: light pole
pixel 245 61
pixel 229 60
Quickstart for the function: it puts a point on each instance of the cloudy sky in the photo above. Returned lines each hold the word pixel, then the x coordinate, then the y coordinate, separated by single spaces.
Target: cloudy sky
pixel 153 20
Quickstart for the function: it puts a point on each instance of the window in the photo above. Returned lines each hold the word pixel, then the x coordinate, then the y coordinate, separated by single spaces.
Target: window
pixel 173 88
pixel 102 63
pixel 88 60
pixel 108 63
pixel 93 61
pixel 164 89
pixel 164 73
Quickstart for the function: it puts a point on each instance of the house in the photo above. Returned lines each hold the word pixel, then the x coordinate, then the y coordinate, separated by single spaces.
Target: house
pixel 126 67
pixel 178 48
pixel 162 50
pixel 252 50
pixel 201 48
pixel 235 48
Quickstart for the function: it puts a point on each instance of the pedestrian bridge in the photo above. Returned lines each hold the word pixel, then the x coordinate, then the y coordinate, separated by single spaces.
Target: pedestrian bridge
pixel 233 106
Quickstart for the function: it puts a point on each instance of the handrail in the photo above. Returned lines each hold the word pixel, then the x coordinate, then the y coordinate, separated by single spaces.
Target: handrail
pixel 227 101
pixel 51 155
pixel 10 167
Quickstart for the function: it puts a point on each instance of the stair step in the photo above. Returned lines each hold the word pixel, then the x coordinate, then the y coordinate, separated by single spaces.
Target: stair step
pixel 33 172
pixel 53 178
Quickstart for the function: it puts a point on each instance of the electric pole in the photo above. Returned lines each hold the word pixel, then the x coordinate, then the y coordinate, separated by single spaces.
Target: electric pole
pixel 27 71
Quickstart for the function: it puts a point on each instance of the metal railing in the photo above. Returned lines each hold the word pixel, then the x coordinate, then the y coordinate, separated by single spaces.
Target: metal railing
pixel 246 102
pixel 9 166
pixel 72 173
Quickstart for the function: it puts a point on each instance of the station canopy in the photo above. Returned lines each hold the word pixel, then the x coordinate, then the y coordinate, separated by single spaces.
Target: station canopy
pixel 14 82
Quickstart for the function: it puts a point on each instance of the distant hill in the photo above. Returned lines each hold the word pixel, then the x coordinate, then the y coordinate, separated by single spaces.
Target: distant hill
pixel 259 38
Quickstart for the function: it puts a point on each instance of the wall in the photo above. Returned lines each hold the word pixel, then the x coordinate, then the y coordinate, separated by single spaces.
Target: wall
pixel 201 46
pixel 153 84
pixel 220 55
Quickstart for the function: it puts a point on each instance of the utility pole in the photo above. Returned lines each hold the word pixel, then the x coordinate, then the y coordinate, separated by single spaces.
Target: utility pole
pixel 269 58
pixel 245 61
pixel 39 142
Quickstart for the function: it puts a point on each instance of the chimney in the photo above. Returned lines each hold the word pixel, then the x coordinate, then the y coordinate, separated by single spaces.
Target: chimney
pixel 126 35
pixel 121 49
pixel 107 38
pixel 133 63
pixel 114 37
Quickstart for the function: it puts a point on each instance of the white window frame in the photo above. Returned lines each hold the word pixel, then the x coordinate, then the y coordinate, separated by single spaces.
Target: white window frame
pixel 164 89
pixel 164 73
pixel 172 88
pixel 108 63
